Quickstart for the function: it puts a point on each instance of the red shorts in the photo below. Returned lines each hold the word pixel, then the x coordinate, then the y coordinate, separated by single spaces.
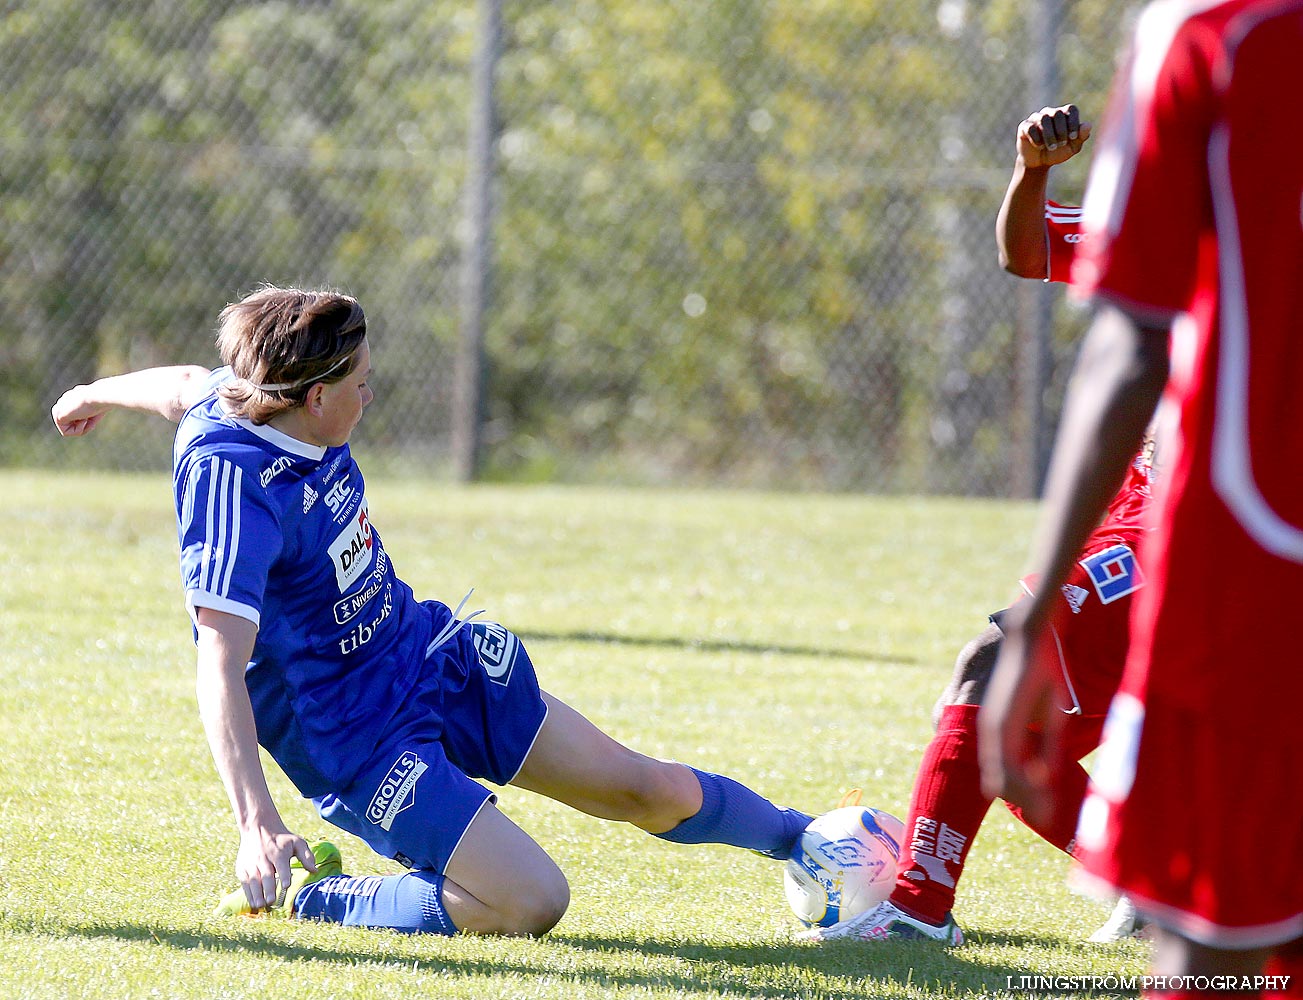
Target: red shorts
pixel 1196 801
pixel 1203 834
pixel 1092 626
pixel 1091 636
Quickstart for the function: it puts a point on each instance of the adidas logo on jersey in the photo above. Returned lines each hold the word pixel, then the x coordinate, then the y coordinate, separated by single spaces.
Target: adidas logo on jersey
pixel 1075 596
pixel 309 497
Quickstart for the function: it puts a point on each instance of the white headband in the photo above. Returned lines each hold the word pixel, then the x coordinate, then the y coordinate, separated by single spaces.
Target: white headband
pixel 282 386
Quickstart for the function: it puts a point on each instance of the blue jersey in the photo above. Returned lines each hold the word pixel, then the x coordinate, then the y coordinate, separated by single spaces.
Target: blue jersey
pixel 278 531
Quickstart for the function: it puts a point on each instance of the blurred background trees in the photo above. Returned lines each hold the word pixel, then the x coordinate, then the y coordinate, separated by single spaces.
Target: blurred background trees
pixel 743 243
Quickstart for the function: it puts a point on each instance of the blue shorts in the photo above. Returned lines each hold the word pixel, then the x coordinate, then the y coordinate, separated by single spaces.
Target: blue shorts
pixel 475 713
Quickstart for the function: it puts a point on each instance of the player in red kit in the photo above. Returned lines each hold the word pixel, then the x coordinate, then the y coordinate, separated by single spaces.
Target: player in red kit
pixel 1195 235
pixel 1037 238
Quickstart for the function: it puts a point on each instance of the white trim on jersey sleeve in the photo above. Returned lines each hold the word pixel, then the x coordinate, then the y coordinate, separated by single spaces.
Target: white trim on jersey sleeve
pixel 196 599
pixel 1063 215
pixel 223 526
pixel 222 533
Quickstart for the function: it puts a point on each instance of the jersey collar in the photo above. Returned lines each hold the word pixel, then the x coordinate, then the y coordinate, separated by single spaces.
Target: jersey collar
pixel 282 440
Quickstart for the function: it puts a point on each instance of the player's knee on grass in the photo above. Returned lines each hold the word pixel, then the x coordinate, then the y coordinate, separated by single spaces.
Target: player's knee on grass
pixel 538 915
pixel 533 909
pixel 972 674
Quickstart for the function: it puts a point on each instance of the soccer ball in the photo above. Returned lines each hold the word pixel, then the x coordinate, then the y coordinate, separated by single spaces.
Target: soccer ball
pixel 844 863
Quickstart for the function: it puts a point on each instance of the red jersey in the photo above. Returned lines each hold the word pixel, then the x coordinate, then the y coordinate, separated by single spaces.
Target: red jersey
pixel 1185 188
pixel 1191 218
pixel 1194 222
pixel 1126 511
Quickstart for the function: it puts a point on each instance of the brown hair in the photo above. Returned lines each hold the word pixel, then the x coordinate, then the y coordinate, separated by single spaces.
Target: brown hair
pixel 280 342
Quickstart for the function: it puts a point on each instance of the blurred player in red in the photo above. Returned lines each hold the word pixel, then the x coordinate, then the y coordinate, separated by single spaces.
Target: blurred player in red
pixel 1193 214
pixel 1037 238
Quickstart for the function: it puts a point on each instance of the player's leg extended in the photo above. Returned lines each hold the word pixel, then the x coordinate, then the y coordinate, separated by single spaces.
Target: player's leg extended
pixel 576 763
pixel 947 796
pixel 946 809
pixel 499 881
pixel 947 806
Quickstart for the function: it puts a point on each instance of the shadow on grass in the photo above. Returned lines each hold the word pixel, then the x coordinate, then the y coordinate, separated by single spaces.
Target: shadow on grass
pixel 714 645
pixel 921 964
pixel 726 968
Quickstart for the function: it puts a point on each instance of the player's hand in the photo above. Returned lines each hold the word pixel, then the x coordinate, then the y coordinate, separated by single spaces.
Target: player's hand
pixel 1020 725
pixel 75 413
pixel 1051 136
pixel 263 865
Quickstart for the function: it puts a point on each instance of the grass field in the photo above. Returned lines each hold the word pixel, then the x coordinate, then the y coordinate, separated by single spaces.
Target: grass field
pixel 794 642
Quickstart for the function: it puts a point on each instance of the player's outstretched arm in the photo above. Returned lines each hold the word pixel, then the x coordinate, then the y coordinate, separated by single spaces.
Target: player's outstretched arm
pixel 168 392
pixel 225 644
pixel 1046 138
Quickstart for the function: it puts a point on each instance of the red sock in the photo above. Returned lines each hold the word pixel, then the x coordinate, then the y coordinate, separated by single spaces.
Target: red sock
pixel 945 811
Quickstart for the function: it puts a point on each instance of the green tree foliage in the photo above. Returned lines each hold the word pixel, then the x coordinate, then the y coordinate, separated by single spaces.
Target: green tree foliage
pixel 748 240
pixel 162 159
pixel 748 221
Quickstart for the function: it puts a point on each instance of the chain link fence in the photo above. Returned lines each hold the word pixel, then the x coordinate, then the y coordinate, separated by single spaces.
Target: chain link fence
pixel 748 242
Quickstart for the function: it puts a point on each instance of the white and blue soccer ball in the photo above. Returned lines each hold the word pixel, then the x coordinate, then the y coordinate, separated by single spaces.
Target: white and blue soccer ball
pixel 844 863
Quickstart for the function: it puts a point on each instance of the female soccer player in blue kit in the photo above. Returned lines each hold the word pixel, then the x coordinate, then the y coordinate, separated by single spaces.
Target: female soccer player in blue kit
pixel 380 708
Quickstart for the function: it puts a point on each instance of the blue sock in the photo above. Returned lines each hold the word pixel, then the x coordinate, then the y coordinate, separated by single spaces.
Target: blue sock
pixel 733 814
pixel 411 902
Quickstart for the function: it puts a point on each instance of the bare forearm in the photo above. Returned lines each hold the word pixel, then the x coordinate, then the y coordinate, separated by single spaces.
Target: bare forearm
pixel 267 847
pixel 1115 387
pixel 1047 137
pixel 228 722
pixel 168 392
pixel 1020 223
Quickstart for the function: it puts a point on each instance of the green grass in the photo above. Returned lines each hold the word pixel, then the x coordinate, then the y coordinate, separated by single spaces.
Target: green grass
pixel 794 642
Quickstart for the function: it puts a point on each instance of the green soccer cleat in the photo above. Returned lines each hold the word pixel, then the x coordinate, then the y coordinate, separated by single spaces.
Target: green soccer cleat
pixel 329 862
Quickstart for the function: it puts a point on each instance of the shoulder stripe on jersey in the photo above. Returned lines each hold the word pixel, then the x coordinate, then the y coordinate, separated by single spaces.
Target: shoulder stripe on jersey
pixel 234 547
pixel 1063 213
pixel 210 528
pixel 222 473
pixel 219 563
pixel 222 530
